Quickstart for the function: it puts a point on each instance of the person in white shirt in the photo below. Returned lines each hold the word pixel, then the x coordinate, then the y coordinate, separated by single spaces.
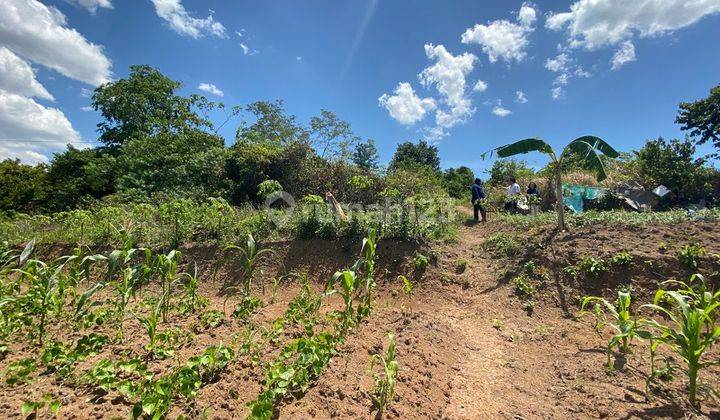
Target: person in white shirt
pixel 513 193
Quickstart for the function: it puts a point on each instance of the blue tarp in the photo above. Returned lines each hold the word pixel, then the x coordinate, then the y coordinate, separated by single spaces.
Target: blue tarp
pixel 574 195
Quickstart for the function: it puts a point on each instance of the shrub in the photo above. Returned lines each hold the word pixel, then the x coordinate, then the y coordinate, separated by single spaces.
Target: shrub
pixel 690 255
pixel 268 187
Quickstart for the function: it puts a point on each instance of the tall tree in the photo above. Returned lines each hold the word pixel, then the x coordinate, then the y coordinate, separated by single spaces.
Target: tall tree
pixel 458 181
pixel 271 124
pixel 331 136
pixel 145 103
pixel 409 153
pixel 702 119
pixel 22 187
pixel 671 164
pixel 366 155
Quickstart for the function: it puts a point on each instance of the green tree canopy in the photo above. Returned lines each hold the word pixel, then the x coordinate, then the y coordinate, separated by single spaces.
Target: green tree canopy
pixel 22 187
pixel 409 153
pixel 145 104
pixel 702 119
pixel 77 176
pixel 366 155
pixel 271 125
pixel 457 181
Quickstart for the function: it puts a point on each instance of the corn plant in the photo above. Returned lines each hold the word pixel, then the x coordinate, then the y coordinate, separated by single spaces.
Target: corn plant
pixel 348 282
pixel 625 325
pixel 42 296
pixel 192 300
pixel 167 266
pixel 693 329
pixel 249 258
pixel 150 323
pixel 385 382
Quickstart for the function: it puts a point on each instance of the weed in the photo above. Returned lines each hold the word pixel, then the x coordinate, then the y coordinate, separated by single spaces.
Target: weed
pixel 420 262
pixel 35 407
pixel 622 258
pixel 690 255
pixel 503 243
pixel 461 265
pixel 592 266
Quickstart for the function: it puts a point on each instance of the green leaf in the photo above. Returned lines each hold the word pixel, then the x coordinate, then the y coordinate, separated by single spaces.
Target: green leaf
pixel 524 146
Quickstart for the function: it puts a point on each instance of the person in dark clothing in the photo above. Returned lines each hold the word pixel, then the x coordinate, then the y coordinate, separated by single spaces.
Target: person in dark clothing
pixel 533 197
pixel 478 193
pixel 533 189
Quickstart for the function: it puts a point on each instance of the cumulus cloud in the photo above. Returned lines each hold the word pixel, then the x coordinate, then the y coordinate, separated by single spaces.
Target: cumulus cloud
pixel 180 20
pixel 92 5
pixel 624 55
pixel 503 39
pixel 480 86
pixel 593 24
pixel 405 105
pixel 448 76
pixel 40 34
pixel 211 88
pixel 500 111
pixel 17 76
pixel 520 97
pixel 28 128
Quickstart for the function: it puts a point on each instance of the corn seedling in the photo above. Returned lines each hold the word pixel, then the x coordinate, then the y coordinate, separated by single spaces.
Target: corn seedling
pixel 192 300
pixel 150 323
pixel 693 314
pixel 385 381
pixel 624 323
pixel 249 257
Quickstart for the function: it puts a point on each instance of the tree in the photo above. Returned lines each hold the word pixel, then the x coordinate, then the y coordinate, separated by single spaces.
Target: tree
pixel 22 187
pixel 78 176
pixel 587 146
pixel 421 153
pixel 271 124
pixel 673 165
pixel 702 119
pixel 331 136
pixel 187 164
pixel 505 169
pixel 458 181
pixel 366 155
pixel 145 104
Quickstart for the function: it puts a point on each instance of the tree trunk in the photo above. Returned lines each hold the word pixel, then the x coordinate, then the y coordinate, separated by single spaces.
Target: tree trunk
pixel 560 205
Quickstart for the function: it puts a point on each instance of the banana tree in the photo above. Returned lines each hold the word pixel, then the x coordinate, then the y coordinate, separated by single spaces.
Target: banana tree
pixel 587 147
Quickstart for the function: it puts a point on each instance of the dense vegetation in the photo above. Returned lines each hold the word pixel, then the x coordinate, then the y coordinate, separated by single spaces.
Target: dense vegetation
pixel 158 145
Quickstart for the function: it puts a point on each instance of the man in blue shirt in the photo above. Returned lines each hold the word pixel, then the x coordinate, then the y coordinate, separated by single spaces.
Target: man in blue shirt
pixel 478 193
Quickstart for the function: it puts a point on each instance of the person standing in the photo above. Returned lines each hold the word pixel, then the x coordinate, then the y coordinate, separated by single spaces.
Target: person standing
pixel 513 191
pixel 533 197
pixel 478 193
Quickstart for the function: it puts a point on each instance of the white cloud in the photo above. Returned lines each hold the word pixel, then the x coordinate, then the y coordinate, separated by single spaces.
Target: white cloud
pixel 557 92
pixel 624 55
pixel 211 88
pixel 28 128
pixel 247 50
pixel 520 97
pixel 180 21
pixel 405 106
pixel 502 39
pixel 86 108
pixel 448 76
pixel 85 93
pixel 500 111
pixel 92 5
pixel 16 76
pixel 565 67
pixel 593 24
pixel 40 34
pixel 558 63
pixel 298 58
pixel 480 86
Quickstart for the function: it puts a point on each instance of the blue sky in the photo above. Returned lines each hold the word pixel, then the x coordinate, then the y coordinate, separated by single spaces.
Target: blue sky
pixel 612 68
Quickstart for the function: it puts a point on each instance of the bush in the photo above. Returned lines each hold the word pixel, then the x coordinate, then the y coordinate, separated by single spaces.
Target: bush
pixel 268 187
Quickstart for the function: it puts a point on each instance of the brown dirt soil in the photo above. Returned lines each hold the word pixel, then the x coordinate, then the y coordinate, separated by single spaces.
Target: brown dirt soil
pixel 466 347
